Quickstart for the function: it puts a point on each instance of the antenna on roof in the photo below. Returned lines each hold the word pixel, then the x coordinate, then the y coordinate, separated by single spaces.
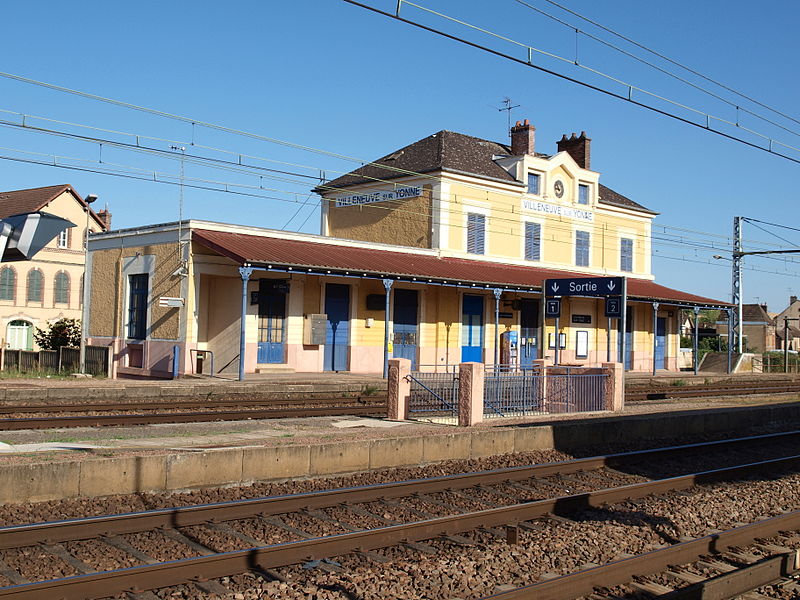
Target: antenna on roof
pixel 508 107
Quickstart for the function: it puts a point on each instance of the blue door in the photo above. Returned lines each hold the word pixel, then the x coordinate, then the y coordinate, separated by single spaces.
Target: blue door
pixel 628 338
pixel 271 320
pixel 404 341
pixel 661 342
pixel 337 307
pixel 472 329
pixel 529 331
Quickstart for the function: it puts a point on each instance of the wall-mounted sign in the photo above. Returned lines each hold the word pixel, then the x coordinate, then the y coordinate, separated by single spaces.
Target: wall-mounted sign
pixel 401 193
pixel 505 315
pixel 170 302
pixel 567 212
pixel 582 319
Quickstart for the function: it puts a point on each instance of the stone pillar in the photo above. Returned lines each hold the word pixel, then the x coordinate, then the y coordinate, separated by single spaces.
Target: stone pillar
pixel 615 399
pixel 399 386
pixel 470 393
pixel 540 366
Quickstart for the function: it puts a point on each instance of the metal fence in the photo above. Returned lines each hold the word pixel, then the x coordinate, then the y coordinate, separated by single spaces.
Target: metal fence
pixel 434 397
pixel 512 393
pixel 64 360
pixel 509 393
pixel 571 389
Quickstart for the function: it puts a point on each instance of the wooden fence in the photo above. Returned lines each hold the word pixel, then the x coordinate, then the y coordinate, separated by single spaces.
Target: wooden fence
pixel 63 360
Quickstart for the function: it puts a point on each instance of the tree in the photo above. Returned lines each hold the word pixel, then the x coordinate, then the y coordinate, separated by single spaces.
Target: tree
pixel 64 332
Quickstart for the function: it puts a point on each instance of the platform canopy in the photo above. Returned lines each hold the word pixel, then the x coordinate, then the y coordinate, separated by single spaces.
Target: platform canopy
pixel 331 256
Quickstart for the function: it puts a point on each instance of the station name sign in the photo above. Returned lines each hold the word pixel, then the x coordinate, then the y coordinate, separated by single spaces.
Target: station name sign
pixel 400 193
pixel 567 212
pixel 584 286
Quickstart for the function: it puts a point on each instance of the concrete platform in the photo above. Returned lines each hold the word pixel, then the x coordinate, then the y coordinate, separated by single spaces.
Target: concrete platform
pixel 48 465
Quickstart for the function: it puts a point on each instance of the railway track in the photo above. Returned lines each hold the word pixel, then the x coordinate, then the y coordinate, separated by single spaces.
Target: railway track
pixel 49 416
pixel 265 534
pixel 92 414
pixel 708 390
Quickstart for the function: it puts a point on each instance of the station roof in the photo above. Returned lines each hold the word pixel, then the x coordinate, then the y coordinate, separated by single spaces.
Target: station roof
pixel 454 152
pixel 407 264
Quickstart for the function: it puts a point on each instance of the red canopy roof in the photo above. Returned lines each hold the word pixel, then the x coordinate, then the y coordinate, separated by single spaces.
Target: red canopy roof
pixel 313 256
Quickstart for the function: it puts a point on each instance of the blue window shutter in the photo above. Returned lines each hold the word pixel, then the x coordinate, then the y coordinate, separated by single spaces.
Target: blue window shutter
pixel 626 255
pixel 533 241
pixel 582 248
pixel 476 233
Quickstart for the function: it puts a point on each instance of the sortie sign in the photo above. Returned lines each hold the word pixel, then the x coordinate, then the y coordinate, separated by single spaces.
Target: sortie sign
pixel 583 286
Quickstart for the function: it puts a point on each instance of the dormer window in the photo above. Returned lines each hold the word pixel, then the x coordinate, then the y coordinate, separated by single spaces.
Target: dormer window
pixel 533 183
pixel 583 194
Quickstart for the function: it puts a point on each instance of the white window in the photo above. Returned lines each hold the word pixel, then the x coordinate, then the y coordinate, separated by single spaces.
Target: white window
pixel 583 194
pixel 534 181
pixel 63 239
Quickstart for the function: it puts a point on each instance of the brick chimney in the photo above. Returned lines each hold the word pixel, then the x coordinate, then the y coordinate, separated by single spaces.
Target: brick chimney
pixel 578 147
pixel 792 300
pixel 105 217
pixel 523 138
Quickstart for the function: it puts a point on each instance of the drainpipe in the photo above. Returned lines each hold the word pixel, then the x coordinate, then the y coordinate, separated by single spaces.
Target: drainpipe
pixel 245 271
pixel 387 284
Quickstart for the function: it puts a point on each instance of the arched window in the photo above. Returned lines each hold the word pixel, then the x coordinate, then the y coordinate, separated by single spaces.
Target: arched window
pixel 62 288
pixel 8 283
pixel 80 293
pixel 34 285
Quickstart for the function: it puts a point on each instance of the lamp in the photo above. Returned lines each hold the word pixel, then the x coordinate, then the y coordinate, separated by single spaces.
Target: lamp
pixel 90 198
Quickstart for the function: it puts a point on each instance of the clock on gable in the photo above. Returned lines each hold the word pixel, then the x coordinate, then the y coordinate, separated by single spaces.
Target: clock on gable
pixel 558 188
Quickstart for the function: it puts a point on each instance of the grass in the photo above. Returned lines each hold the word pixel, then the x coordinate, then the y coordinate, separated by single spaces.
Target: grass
pixel 66 440
pixel 677 383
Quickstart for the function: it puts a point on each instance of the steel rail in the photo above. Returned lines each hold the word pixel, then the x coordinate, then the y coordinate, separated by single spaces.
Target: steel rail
pixel 87 527
pixel 622 571
pixel 26 423
pixel 703 391
pixel 159 575
pixel 7 409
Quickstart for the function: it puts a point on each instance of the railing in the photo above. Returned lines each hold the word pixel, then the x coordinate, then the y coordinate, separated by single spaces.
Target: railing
pixel 774 363
pixel 571 389
pixel 434 396
pixel 63 360
pixel 512 392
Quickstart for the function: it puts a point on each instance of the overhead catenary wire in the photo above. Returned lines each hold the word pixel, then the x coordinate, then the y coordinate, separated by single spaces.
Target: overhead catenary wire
pixel 233 166
pixel 771 142
pixel 553 228
pixel 672 61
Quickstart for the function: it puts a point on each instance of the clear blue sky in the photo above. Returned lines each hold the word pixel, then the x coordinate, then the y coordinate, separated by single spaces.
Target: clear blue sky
pixel 328 75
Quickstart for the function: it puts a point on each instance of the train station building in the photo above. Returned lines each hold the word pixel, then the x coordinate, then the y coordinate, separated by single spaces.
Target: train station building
pixel 461 232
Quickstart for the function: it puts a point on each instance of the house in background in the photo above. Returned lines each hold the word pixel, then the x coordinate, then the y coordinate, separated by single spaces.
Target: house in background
pixel 50 287
pixel 792 313
pixel 758 328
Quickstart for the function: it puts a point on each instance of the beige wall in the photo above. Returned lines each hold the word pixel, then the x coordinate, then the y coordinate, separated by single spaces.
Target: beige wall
pixel 109 291
pixel 403 222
